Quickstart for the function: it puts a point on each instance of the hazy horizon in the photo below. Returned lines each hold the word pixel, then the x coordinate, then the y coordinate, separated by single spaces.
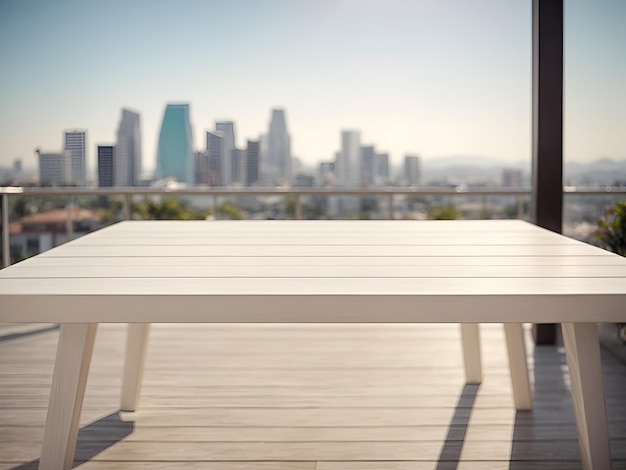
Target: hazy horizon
pixel 430 78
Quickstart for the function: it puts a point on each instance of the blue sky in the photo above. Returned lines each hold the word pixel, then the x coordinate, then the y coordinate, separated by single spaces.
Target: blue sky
pixel 436 78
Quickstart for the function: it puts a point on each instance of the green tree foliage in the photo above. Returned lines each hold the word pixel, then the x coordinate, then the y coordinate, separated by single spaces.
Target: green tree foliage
pixel 309 212
pixel 612 235
pixel 168 209
pixel 290 207
pixel 612 229
pixel 230 211
pixel 445 212
pixel 22 206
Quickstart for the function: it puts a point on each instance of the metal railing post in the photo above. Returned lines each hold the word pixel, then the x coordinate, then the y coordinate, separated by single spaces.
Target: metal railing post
pixel 298 211
pixel 215 207
pixel 390 206
pixel 126 207
pixel 69 222
pixel 520 207
pixel 6 245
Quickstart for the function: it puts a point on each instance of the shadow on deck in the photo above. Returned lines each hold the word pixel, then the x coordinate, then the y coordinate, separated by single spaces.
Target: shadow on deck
pixel 305 397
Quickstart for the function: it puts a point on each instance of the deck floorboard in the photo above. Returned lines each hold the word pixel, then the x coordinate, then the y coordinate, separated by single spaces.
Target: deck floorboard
pixel 301 397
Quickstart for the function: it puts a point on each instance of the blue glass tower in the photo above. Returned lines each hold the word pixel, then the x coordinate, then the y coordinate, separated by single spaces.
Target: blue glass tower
pixel 175 150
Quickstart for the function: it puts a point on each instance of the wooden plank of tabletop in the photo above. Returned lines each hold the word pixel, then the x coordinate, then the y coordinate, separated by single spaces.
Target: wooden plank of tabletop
pixel 142 261
pixel 322 286
pixel 329 300
pixel 75 250
pixel 316 239
pixel 502 224
pixel 333 227
pixel 314 272
pixel 358 228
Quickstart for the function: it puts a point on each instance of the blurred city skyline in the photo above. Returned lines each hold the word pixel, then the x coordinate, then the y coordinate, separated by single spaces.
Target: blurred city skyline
pixel 430 78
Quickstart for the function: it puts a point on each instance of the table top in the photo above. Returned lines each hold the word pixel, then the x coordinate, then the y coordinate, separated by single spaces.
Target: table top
pixel 317 271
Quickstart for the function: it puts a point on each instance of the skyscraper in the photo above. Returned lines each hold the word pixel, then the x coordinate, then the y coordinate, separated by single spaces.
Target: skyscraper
pixel 174 154
pixel 368 159
pixel 128 150
pixel 347 168
pixel 239 166
pixel 54 168
pixel 277 163
pixel 215 149
pixel 75 142
pixel 105 165
pixel 227 128
pixel 202 172
pixel 381 169
pixel 252 162
pixel 412 171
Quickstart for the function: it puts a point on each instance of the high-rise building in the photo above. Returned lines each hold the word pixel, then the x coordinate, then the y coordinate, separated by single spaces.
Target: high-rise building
pixel 412 170
pixel 216 151
pixel 347 169
pixel 54 167
pixel 263 159
pixel 75 142
pixel 239 166
pixel 227 128
pixel 277 162
pixel 368 160
pixel 128 150
pixel 202 172
pixel 106 165
pixel 326 174
pixel 381 169
pixel 253 151
pixel 174 153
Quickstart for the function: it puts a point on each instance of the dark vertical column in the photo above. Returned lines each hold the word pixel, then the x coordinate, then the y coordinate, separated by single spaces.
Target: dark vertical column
pixel 547 197
pixel 4 231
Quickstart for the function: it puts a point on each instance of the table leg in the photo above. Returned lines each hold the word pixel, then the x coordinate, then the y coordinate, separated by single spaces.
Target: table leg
pixel 518 365
pixel 69 378
pixel 585 371
pixel 136 346
pixel 470 338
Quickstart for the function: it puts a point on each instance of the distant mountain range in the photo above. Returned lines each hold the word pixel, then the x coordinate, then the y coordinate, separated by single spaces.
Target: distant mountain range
pixel 603 171
pixel 488 171
pixel 455 170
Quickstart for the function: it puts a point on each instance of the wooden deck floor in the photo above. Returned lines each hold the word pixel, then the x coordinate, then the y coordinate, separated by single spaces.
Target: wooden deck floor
pixel 325 397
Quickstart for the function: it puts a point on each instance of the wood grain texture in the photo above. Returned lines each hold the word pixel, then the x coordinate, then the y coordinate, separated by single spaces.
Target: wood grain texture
pixel 69 379
pixel 583 358
pixel 136 347
pixel 332 271
pixel 298 397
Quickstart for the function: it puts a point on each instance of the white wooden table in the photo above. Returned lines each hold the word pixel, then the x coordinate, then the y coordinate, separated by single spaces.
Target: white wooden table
pixel 463 272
